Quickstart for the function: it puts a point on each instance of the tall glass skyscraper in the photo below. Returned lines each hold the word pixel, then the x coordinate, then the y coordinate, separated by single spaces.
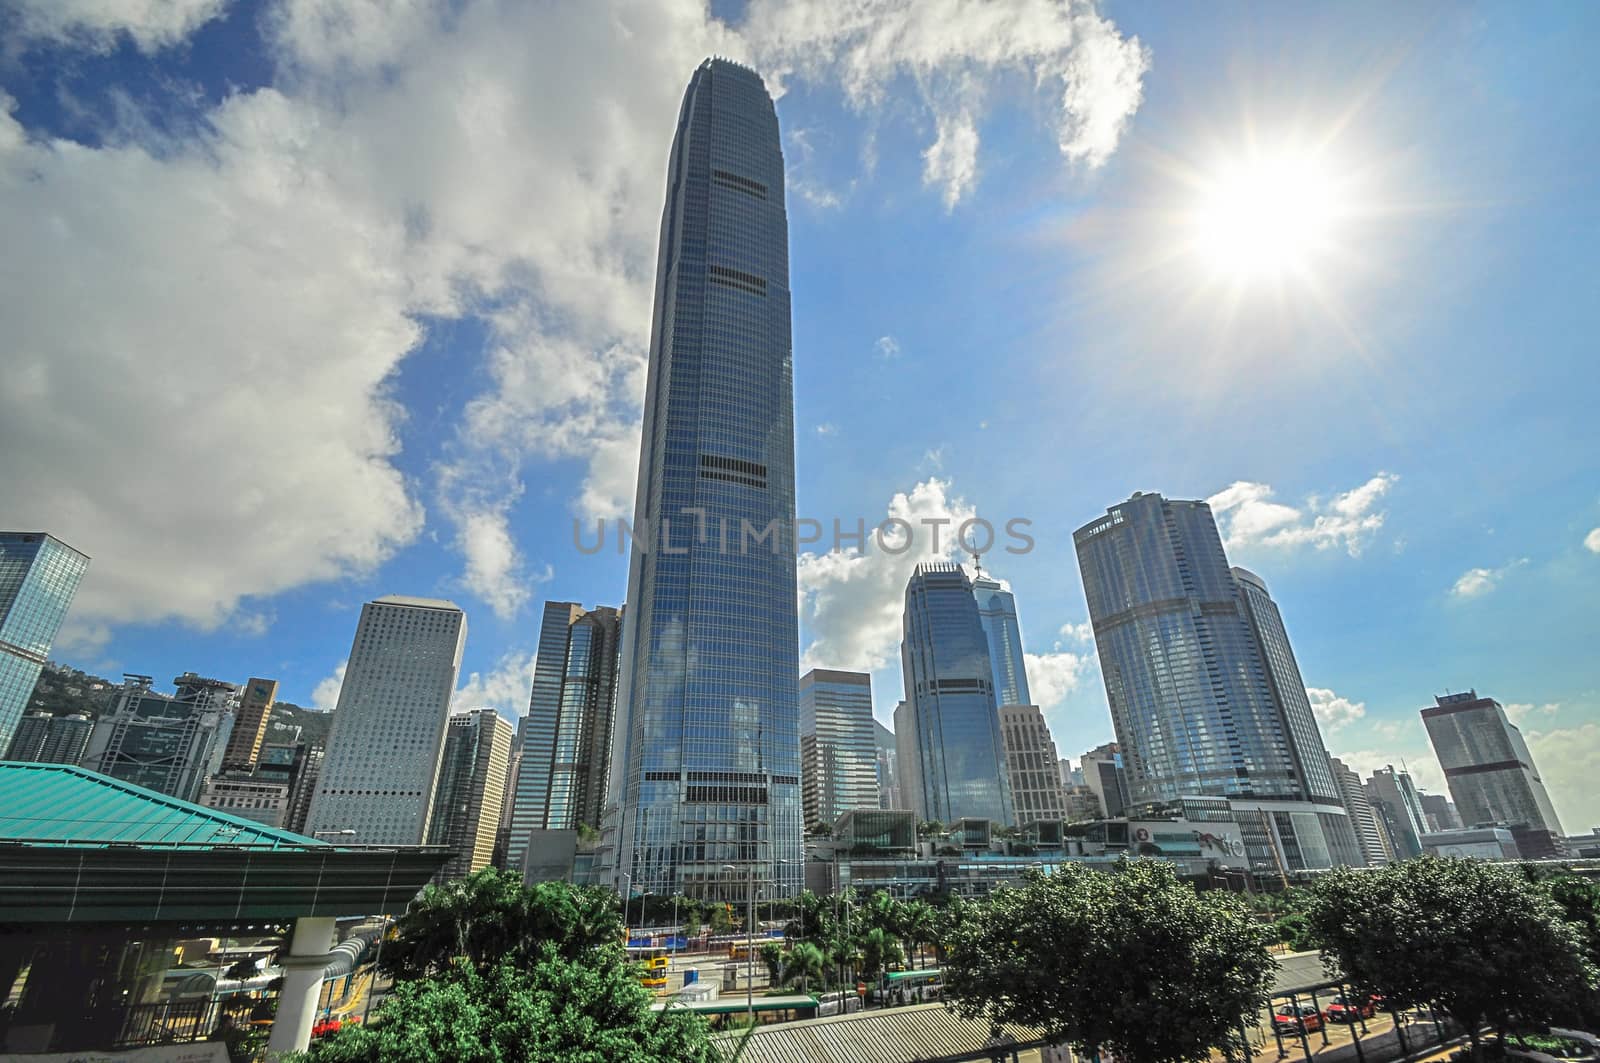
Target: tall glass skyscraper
pixel 39 574
pixel 952 759
pixel 565 759
pixel 838 746
pixel 997 610
pixel 707 767
pixel 1288 688
pixel 1205 696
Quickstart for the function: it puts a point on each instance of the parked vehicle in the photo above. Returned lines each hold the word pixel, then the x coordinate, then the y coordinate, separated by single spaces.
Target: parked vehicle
pixel 1349 1009
pixel 1296 1018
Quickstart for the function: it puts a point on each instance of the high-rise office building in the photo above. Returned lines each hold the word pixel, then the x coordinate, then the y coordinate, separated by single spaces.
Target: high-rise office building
pixel 382 762
pixel 1491 774
pixel 707 761
pixel 564 756
pixel 1398 808
pixel 1031 764
pixel 1370 834
pixel 167 743
pixel 838 747
pixel 39 574
pixel 888 767
pixel 46 739
pixel 472 782
pixel 951 728
pixel 1440 812
pixel 250 724
pixel 1288 689
pixel 1106 778
pixel 997 611
pixel 1205 696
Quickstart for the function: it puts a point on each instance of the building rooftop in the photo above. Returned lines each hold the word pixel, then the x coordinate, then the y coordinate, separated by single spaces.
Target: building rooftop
pixel 416 603
pixel 60 805
pixel 893 1035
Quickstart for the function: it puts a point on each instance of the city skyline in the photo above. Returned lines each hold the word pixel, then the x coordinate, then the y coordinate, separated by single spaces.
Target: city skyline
pixel 1410 564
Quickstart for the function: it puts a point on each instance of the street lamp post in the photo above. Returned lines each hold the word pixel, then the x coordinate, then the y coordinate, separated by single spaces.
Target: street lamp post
pixel 750 948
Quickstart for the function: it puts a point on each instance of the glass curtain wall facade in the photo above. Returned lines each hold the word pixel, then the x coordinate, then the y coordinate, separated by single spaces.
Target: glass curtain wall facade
pixel 39 574
pixel 1283 675
pixel 1204 691
pixel 951 724
pixel 708 758
pixel 167 744
pixel 564 763
pixel 1189 693
pixel 997 611
pixel 838 746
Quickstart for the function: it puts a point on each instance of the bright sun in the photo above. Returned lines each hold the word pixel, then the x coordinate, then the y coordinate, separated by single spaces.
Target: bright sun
pixel 1264 217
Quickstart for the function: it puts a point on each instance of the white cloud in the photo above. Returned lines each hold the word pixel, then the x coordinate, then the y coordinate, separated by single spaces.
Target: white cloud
pixel 1591 542
pixel 228 312
pixel 888 347
pixel 851 603
pixel 1053 676
pixel 506 688
pixel 953 52
pixel 1476 582
pixel 96 24
pixel 1081 632
pixel 1521 712
pixel 198 347
pixel 1566 758
pixel 827 428
pixel 1333 711
pixel 325 695
pixel 952 160
pixel 1246 516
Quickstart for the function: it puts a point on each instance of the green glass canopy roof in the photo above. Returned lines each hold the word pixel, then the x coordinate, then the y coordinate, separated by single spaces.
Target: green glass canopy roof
pixel 62 805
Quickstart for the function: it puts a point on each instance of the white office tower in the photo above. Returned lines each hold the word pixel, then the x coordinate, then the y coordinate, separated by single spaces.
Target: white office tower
pixel 382 763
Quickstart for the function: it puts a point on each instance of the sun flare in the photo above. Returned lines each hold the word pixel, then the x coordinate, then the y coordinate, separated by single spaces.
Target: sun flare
pixel 1265 217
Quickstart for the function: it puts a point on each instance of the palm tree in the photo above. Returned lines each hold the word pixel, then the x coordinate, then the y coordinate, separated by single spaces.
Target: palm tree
pixel 916 927
pixel 806 960
pixel 878 949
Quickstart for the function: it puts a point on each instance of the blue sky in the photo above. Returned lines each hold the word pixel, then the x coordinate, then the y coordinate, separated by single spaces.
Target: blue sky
pixel 308 302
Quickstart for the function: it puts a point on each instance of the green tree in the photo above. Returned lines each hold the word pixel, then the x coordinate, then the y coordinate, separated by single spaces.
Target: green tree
pixel 592 1011
pixel 879 949
pixel 491 915
pixel 807 961
pixel 1579 899
pixel 916 927
pixel 721 919
pixel 1476 941
pixel 1134 961
pixel 772 957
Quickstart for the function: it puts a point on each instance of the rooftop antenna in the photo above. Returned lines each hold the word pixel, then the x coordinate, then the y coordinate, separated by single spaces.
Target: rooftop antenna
pixel 977 563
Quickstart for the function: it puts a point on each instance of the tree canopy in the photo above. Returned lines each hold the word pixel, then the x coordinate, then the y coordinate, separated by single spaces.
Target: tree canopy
pixel 1136 962
pixel 554 1010
pixel 1477 941
pixel 491 915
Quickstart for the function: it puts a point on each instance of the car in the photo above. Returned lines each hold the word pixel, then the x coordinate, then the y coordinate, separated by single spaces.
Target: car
pixel 1350 1008
pixel 1296 1018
